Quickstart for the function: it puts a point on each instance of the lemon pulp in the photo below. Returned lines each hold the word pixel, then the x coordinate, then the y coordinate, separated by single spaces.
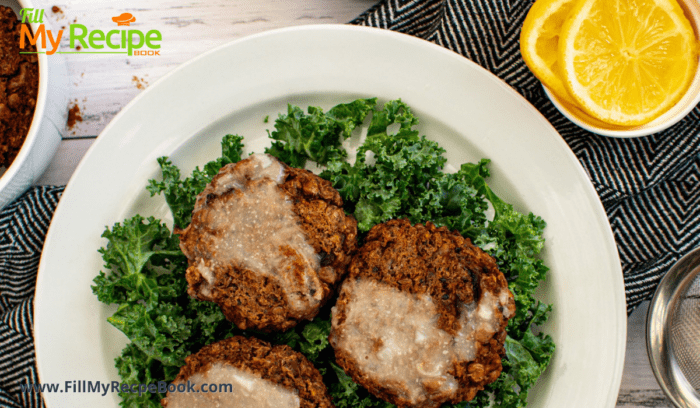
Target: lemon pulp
pixel 539 43
pixel 626 62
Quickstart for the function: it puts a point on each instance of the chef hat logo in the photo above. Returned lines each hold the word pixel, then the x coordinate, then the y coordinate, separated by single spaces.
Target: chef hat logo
pixel 124 20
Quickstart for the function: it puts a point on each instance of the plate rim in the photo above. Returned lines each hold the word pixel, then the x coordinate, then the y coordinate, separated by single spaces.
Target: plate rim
pixel 621 340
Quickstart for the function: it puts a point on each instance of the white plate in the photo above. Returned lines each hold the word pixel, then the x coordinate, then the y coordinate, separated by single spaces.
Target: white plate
pixel 231 89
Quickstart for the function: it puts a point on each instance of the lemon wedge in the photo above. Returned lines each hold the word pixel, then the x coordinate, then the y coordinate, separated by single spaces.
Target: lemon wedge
pixel 626 62
pixel 539 39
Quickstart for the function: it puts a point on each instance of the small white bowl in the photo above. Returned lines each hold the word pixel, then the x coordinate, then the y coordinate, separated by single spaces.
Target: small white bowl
pixel 50 115
pixel 668 119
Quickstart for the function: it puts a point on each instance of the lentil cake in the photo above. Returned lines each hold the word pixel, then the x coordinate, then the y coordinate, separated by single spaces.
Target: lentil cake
pixel 268 243
pixel 260 376
pixel 421 317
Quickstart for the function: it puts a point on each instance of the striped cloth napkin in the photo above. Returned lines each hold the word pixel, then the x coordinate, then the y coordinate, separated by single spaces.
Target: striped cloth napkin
pixel 23 226
pixel 650 186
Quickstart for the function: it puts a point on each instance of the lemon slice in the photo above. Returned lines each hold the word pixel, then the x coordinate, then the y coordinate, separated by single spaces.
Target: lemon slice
pixel 539 40
pixel 626 62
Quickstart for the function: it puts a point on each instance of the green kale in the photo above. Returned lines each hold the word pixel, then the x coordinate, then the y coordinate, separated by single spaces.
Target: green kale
pixel 135 367
pixel 394 174
pixel 347 394
pixel 318 135
pixel 397 174
pixel 315 338
pixel 146 279
pixel 521 369
pixel 182 194
pixel 134 254
pixel 165 325
pixel 160 331
pixel 208 325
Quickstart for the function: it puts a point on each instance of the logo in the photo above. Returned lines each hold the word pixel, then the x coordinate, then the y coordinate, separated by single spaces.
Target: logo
pixel 118 41
pixel 124 20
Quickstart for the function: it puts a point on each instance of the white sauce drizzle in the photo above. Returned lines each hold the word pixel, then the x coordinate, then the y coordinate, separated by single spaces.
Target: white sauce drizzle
pixel 208 275
pixel 247 390
pixel 394 336
pixel 259 231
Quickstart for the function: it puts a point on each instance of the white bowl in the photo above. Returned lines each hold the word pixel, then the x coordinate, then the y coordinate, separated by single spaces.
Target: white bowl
pixel 668 119
pixel 50 115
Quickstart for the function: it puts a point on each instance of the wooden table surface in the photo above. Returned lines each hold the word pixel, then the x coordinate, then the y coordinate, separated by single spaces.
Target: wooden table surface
pixel 100 85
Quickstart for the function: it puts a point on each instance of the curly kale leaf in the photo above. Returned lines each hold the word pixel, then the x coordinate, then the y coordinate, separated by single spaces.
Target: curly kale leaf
pixel 135 367
pixel 525 361
pixel 147 279
pixel 182 194
pixel 347 394
pixel 393 112
pixel 394 173
pixel 315 338
pixel 160 331
pixel 316 135
pixel 160 339
pixel 231 152
pixel 208 325
pixel 135 252
pixel 310 338
pixel 179 194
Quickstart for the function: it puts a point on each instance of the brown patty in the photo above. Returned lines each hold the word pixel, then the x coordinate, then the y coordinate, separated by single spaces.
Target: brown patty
pixel 250 299
pixel 426 260
pixel 279 364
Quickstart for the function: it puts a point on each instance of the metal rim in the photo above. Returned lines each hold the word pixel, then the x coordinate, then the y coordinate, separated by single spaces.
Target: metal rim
pixel 663 361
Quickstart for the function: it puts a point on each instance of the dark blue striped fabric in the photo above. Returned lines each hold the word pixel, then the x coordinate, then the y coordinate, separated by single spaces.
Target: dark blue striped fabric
pixel 650 186
pixel 23 226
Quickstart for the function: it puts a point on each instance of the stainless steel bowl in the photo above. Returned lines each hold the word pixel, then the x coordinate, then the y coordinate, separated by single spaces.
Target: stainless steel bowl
pixel 673 332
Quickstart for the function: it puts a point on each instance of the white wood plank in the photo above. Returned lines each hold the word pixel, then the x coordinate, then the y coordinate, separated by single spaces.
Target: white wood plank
pixel 102 84
pixel 639 387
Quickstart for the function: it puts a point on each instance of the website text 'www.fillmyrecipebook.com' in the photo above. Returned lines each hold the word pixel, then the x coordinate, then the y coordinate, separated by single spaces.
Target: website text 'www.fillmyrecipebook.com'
pixel 103 388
